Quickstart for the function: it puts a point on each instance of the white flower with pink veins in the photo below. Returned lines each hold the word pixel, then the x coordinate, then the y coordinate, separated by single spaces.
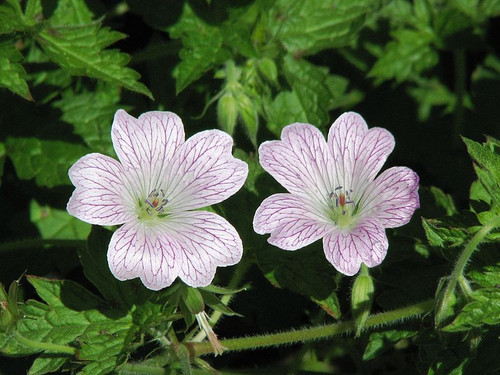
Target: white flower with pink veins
pixel 154 191
pixel 334 192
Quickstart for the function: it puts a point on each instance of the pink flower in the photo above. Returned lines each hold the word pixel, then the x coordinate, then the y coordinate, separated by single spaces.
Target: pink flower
pixel 154 192
pixel 334 193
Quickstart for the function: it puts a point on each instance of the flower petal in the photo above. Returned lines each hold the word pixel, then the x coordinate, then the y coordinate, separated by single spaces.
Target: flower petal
pixel 290 220
pixel 145 145
pixel 359 153
pixel 100 196
pixel 203 172
pixel 301 161
pixel 393 197
pixel 206 241
pixel 345 250
pixel 136 250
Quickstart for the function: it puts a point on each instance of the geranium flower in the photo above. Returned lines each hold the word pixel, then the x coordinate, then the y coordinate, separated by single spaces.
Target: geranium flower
pixel 153 191
pixel 334 193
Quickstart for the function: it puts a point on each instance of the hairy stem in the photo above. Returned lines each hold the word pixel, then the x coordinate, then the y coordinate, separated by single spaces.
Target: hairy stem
pixel 313 333
pixel 44 346
pixel 458 271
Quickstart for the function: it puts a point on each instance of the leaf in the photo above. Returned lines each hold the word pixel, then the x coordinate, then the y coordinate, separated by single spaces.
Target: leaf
pixel 444 200
pixel 254 169
pixel 285 109
pixel 484 310
pixel 307 27
pixel 47 363
pixel 201 49
pixel 46 161
pixel 308 82
pixel 488 276
pixel 287 270
pixel 444 233
pixel 72 314
pixel 80 48
pixel 12 73
pixel 57 224
pixel 11 17
pixel 405 57
pixel 379 342
pixel 488 166
pixel 91 114
pixel 95 267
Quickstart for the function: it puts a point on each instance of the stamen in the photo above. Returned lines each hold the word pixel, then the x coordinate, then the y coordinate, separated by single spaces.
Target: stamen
pixel 156 201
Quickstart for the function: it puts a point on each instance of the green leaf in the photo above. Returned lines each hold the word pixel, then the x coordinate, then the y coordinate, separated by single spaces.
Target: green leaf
pixel 286 270
pixel 80 49
pixel 12 73
pixel 444 233
pixel 487 276
pixel 444 200
pixel 91 114
pixel 409 54
pixel 382 341
pixel 57 224
pixel 285 109
pixel 73 314
pixel 484 310
pixel 47 363
pixel 202 48
pixel 308 82
pixel 488 166
pixel 95 267
pixel 307 27
pixel 46 161
pixel 11 17
pixel 215 303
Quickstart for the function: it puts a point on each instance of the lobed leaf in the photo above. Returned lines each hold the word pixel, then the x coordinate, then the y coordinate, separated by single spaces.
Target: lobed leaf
pixel 57 224
pixel 202 48
pixel 91 114
pixel 12 73
pixel 484 310
pixel 307 27
pixel 46 161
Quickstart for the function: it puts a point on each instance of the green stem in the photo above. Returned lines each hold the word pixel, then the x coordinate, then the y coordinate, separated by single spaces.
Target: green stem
pixel 459 68
pixel 136 368
pixel 313 333
pixel 39 243
pixel 45 346
pixel 460 267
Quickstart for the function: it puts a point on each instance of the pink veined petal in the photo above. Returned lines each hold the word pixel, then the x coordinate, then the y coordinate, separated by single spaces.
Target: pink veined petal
pixel 203 172
pixel 136 250
pixel 145 145
pixel 290 220
pixel 393 197
pixel 100 196
pixel 359 153
pixel 301 161
pixel 346 250
pixel 206 241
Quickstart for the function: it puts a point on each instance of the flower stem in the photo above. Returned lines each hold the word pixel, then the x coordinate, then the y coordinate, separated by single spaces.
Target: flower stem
pixel 314 333
pixel 44 346
pixel 39 243
pixel 462 261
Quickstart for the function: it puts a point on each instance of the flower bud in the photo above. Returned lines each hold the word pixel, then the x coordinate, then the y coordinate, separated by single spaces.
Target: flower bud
pixel 362 298
pixel 249 115
pixel 267 68
pixel 227 113
pixel 9 312
pixel 193 300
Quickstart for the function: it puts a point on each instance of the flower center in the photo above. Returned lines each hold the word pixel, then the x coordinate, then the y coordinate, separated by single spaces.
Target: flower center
pixel 342 207
pixel 153 205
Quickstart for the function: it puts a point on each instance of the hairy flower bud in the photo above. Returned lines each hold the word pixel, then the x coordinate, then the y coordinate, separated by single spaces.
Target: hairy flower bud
pixel 362 298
